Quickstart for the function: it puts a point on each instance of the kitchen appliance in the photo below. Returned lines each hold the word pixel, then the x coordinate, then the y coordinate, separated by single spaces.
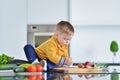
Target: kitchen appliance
pixel 38 33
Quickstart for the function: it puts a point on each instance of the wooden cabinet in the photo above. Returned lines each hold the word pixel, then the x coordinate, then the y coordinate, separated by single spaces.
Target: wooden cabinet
pixel 47 11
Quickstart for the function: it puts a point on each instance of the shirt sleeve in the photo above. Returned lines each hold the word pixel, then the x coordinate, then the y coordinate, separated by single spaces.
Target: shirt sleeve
pixel 66 53
pixel 62 61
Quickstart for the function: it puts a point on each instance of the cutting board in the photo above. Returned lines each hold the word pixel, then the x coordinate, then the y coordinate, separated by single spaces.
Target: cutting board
pixel 78 70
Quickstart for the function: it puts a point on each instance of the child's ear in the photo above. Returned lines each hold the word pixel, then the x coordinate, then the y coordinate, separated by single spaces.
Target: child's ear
pixel 55 34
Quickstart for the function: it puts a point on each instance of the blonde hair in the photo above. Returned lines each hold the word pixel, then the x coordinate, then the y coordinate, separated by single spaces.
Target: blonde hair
pixel 64 27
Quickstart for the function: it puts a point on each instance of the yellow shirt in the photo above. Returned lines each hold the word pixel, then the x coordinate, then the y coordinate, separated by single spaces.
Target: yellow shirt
pixel 52 50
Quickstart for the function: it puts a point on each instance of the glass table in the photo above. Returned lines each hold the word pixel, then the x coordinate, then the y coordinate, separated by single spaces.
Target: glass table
pixel 112 73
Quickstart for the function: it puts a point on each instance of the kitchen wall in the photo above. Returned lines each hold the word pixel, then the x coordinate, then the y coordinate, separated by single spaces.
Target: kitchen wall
pixel 13 27
pixel 92 43
pixel 89 17
pixel 16 15
pixel 95 12
pixel 97 23
pixel 47 11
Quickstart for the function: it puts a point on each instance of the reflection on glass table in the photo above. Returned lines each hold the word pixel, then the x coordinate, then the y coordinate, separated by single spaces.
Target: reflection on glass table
pixel 61 76
pixel 113 73
pixel 79 76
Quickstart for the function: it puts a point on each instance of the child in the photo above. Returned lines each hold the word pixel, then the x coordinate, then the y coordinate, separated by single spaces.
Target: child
pixel 54 51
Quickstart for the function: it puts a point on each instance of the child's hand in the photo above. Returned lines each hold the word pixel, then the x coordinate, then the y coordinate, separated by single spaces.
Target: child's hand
pixel 68 61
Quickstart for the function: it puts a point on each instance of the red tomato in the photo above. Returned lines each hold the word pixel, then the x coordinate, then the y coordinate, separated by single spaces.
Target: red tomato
pixel 31 77
pixel 31 69
pixel 39 68
pixel 39 77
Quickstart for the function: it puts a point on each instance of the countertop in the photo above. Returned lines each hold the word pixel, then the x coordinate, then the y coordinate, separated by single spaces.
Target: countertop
pixel 113 73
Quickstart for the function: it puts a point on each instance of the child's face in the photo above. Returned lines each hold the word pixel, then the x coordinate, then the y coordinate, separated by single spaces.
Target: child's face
pixel 64 39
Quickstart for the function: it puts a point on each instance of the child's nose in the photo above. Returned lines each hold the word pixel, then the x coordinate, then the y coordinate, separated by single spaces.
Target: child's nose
pixel 67 41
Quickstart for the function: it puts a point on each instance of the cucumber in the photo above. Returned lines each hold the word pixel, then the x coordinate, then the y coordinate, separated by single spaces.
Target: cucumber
pixel 7 66
pixel 12 77
pixel 19 69
pixel 6 78
pixel 19 77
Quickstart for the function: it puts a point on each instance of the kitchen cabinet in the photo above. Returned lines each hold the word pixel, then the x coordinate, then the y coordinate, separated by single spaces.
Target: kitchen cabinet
pixel 94 12
pixel 47 11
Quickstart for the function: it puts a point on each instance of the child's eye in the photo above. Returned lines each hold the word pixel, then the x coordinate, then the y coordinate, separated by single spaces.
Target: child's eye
pixel 67 39
pixel 64 39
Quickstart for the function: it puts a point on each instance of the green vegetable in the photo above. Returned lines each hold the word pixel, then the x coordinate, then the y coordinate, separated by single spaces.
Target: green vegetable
pixel 6 78
pixel 12 77
pixel 114 75
pixel 4 59
pixel 102 65
pixel 7 66
pixel 19 69
pixel 114 47
pixel 25 65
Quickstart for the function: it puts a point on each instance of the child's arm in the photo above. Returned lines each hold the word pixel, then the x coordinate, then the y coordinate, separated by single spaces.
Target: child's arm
pixel 68 61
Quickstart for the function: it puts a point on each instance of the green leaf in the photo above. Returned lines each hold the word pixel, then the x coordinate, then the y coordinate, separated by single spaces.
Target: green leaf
pixel 4 59
pixel 114 47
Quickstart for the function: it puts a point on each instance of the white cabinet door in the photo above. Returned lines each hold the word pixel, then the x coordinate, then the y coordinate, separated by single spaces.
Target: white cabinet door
pixel 95 12
pixel 47 11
